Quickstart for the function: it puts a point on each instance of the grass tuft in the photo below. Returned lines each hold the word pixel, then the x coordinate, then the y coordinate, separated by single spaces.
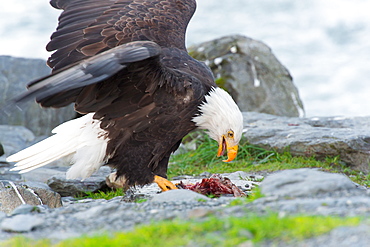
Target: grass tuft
pixel 251 158
pixel 107 195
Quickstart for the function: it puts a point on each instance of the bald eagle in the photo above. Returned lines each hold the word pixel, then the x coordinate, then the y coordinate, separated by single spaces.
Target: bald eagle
pixel 124 65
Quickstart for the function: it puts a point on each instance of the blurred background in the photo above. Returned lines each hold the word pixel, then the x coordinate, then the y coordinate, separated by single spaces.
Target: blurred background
pixel 324 44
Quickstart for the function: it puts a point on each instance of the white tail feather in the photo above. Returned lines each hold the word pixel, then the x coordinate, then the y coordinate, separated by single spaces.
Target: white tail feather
pixel 81 137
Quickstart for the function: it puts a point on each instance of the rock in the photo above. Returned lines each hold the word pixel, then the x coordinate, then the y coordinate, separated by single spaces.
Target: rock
pixel 98 211
pixel 199 213
pixel 97 215
pixel 348 138
pixel 24 209
pixel 304 182
pixel 75 187
pixel 29 193
pixel 15 74
pixel 178 196
pixel 42 174
pixel 21 223
pixel 2 216
pixel 251 73
pixel 6 174
pixel 15 138
pixel 345 236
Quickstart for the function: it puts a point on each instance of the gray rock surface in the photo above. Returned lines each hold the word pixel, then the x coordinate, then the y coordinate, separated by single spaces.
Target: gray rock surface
pixel 75 187
pixel 328 194
pixel 21 223
pixel 348 138
pixel 14 138
pixel 178 196
pixel 97 216
pixel 312 192
pixel 304 182
pixel 26 193
pixel 15 74
pixel 358 236
pixel 251 73
pixel 25 209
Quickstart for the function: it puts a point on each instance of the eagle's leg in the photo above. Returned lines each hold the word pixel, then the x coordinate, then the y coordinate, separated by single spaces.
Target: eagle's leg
pixel 116 182
pixel 164 184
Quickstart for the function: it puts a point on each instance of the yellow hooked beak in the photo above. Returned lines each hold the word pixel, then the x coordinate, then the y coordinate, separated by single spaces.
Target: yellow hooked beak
pixel 232 151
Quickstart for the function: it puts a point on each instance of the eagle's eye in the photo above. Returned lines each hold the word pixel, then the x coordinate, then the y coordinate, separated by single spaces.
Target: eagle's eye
pixel 230 134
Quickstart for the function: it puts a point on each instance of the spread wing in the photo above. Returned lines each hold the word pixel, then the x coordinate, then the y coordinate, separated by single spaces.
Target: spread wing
pixel 64 85
pixel 88 27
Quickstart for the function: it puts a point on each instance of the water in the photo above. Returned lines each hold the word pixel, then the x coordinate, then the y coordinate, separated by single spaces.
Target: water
pixel 324 44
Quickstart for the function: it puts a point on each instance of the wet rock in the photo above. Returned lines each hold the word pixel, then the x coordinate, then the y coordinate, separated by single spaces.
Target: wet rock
pixel 75 187
pixel 13 195
pixel 21 223
pixel 304 182
pixel 15 74
pixel 348 138
pixel 251 73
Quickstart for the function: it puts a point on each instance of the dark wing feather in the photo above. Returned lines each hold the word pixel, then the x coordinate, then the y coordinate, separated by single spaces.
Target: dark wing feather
pixel 88 27
pixel 88 72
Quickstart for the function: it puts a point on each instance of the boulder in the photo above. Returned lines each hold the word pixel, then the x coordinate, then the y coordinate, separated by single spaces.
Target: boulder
pixel 76 187
pixel 348 138
pixel 304 182
pixel 21 223
pixel 15 74
pixel 251 73
pixel 13 195
pixel 14 138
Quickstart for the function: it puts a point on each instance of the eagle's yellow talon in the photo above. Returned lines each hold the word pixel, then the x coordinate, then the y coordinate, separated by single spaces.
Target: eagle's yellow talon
pixel 164 184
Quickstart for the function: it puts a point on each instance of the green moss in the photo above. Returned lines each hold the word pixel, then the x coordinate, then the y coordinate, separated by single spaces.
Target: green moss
pixel 141 200
pixel 211 232
pixel 220 81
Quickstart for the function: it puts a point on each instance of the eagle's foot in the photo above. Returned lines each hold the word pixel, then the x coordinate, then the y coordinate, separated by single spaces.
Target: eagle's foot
pixel 164 184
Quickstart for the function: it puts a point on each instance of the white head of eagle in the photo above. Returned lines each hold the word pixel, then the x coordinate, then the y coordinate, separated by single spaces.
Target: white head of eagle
pixel 220 115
